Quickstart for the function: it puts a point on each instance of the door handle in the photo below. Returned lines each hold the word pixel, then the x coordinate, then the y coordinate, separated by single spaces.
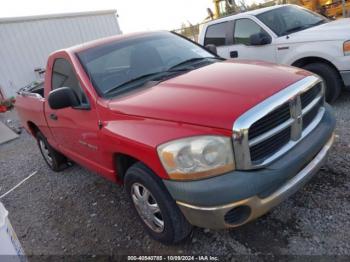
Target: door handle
pixel 234 54
pixel 53 116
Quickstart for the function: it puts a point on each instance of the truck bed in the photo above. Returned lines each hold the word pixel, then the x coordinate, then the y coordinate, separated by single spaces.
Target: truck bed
pixel 29 104
pixel 33 88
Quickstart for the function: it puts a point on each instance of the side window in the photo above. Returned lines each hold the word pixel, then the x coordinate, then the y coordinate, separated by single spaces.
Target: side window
pixel 244 28
pixel 216 34
pixel 64 75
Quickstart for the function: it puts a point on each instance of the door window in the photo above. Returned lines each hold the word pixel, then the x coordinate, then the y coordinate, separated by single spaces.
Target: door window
pixel 216 35
pixel 244 28
pixel 63 75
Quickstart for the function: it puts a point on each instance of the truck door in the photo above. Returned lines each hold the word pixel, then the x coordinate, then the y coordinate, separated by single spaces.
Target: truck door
pixel 239 42
pixel 75 130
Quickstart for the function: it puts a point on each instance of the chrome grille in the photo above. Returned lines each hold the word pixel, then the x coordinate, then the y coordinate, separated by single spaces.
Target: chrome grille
pixel 277 124
pixel 266 148
pixel 271 120
pixel 310 115
pixel 310 95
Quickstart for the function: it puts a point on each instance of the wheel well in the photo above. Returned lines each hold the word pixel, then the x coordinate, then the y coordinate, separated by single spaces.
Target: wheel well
pixel 312 59
pixel 309 60
pixel 123 162
pixel 33 128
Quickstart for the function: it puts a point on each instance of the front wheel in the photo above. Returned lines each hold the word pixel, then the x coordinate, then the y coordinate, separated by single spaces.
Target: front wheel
pixel 330 77
pixel 154 206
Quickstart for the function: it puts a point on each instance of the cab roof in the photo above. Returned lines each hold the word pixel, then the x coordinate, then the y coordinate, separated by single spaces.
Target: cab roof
pixel 87 45
pixel 245 14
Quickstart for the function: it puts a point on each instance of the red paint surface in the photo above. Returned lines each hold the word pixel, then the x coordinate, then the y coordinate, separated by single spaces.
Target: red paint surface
pixel 201 102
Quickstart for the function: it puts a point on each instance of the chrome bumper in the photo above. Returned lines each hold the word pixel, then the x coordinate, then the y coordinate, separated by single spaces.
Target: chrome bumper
pixel 214 217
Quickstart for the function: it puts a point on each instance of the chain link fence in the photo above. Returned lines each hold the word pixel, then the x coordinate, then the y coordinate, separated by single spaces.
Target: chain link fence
pixel 191 32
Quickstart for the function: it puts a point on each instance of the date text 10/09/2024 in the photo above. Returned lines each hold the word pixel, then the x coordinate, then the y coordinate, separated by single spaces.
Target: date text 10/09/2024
pixel 173 258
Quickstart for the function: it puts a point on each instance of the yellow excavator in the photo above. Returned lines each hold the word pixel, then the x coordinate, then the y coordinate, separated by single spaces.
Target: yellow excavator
pixel 329 8
pixel 219 8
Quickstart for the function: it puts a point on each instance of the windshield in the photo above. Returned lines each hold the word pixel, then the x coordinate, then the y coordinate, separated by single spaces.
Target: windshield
pixel 290 19
pixel 126 64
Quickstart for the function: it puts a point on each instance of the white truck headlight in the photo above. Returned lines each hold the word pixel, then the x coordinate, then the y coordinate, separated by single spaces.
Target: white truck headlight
pixel 197 157
pixel 346 48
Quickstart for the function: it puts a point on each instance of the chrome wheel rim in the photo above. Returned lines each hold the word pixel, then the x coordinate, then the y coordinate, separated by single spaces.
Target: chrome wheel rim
pixel 147 207
pixel 45 151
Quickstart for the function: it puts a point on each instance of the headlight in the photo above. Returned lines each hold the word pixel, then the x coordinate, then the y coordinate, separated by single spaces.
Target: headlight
pixel 197 157
pixel 346 48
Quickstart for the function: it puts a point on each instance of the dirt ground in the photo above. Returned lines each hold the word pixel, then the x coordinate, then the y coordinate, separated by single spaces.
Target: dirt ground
pixel 76 212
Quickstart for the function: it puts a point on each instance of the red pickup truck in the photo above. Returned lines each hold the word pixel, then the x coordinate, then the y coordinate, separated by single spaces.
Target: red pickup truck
pixel 195 139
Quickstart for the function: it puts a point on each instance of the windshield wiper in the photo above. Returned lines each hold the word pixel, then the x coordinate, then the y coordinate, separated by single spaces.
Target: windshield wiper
pixel 161 74
pixel 319 23
pixel 294 29
pixel 151 76
pixel 136 79
pixel 302 27
pixel 190 61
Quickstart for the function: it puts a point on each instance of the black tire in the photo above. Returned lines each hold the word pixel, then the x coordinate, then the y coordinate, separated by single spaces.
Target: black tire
pixel 331 78
pixel 176 227
pixel 58 161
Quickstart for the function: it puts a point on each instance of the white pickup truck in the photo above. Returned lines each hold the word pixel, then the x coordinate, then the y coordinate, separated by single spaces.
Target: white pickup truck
pixel 286 34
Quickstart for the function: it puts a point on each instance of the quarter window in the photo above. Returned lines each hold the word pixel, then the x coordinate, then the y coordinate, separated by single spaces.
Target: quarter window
pixel 216 35
pixel 63 75
pixel 244 28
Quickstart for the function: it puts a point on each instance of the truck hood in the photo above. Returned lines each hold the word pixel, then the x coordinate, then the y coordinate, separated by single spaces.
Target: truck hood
pixel 334 30
pixel 214 95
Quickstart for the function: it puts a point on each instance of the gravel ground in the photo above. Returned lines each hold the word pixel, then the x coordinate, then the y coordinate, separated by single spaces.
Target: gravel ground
pixel 76 212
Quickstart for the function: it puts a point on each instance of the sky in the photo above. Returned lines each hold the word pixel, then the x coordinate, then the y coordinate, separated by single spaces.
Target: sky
pixel 134 15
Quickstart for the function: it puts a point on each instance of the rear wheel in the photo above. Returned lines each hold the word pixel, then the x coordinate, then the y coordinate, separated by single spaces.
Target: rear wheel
pixel 55 160
pixel 330 77
pixel 154 206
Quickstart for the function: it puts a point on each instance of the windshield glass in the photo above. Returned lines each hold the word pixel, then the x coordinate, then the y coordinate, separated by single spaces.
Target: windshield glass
pixel 137 60
pixel 290 19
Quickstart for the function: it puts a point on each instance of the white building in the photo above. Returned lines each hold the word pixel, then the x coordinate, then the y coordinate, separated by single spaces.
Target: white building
pixel 26 42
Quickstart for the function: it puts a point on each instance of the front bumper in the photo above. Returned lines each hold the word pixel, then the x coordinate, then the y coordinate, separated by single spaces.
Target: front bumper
pixel 345 75
pixel 215 217
pixel 235 198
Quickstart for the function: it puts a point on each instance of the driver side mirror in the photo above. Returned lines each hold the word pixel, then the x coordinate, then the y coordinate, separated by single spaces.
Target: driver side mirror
pixel 63 97
pixel 261 38
pixel 211 48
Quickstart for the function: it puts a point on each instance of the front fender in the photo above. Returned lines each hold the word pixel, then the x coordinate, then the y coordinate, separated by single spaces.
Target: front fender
pixel 330 52
pixel 139 137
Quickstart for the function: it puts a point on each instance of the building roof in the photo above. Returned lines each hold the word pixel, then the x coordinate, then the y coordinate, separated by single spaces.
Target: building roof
pixel 54 16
